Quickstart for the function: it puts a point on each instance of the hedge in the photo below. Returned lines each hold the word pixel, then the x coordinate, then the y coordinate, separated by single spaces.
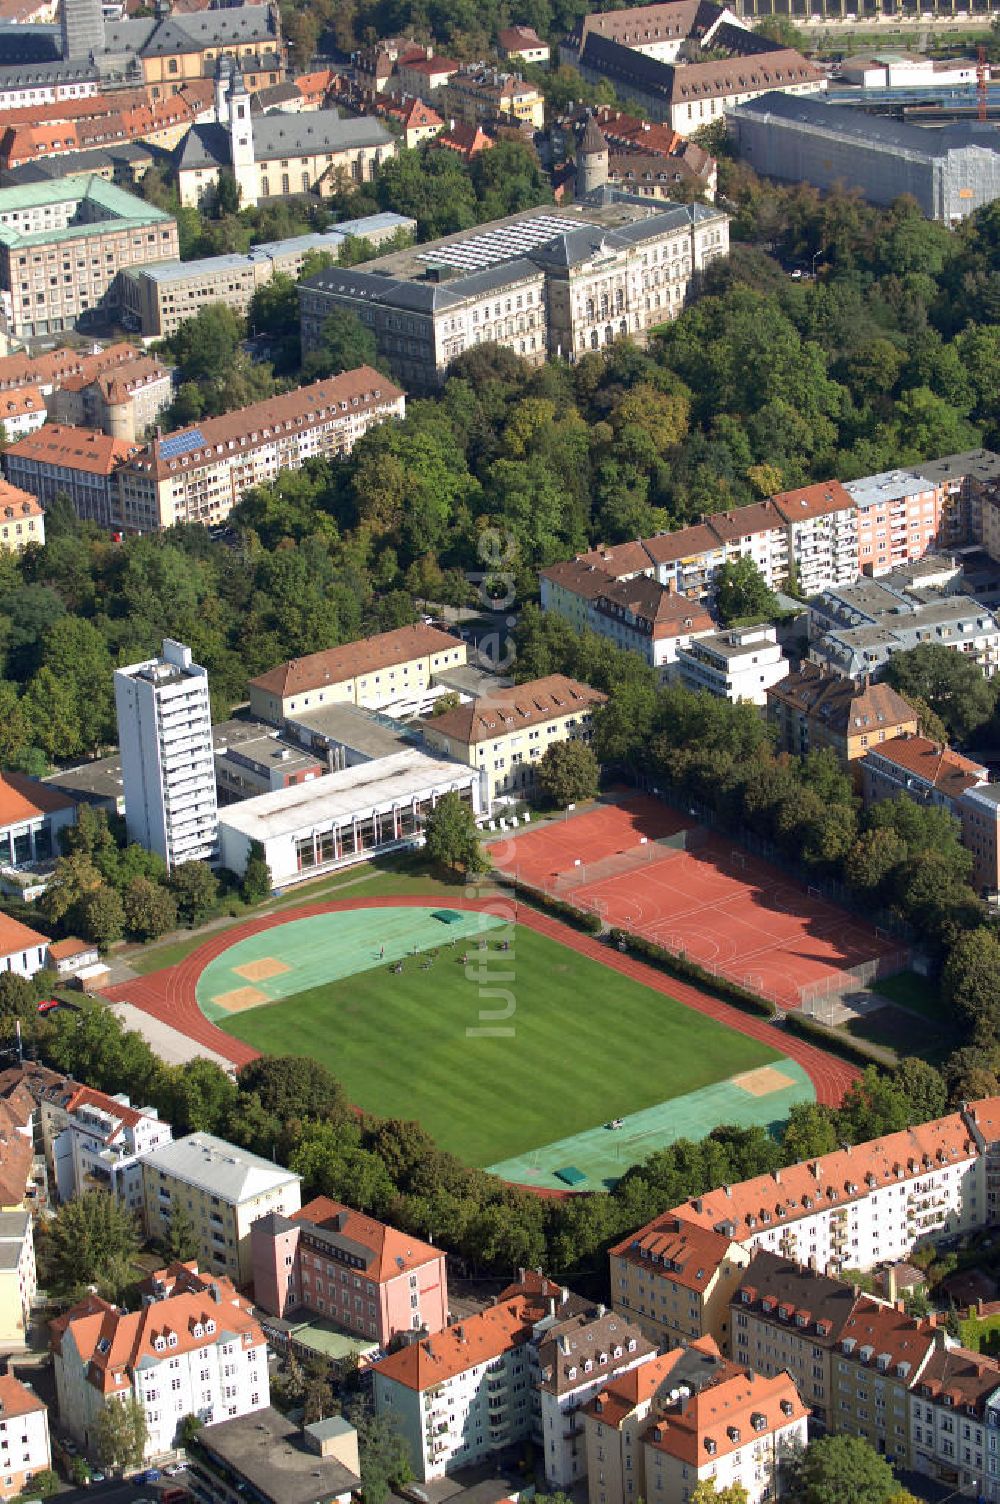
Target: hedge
pixel 592 924
pixel 687 970
pixel 832 1040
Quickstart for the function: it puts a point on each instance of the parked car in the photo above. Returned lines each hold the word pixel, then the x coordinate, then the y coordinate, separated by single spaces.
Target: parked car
pixel 151 1475
pixel 48 1005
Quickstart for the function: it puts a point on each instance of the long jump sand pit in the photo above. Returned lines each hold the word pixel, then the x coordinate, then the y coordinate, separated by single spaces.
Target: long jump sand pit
pixel 262 970
pixel 239 999
pixel 763 1081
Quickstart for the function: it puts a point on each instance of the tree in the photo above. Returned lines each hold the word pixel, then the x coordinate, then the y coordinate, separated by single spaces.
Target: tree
pixel 91 1240
pixel 706 1492
pixel 187 1431
pixel 741 594
pixel 835 1469
pixel 205 346
pixel 150 910
pixel 122 1432
pixel 970 982
pixel 568 773
pixel 344 344
pixel 451 837
pixel 100 916
pixel 951 683
pixel 385 1459
pixel 294 1086
pixel 18 998
pixel 43 1484
pixel 196 890
pixel 182 1237
pixel 257 880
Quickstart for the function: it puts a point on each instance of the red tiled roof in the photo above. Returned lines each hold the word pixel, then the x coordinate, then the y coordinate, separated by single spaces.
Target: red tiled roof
pixel 819 500
pixel 15 936
pixel 686 543
pixel 513 38
pixel 620 558
pixel 334 665
pixel 75 448
pixel 487 1335
pixel 725 1416
pixel 430 66
pixel 24 798
pixel 940 767
pixel 470 140
pixel 62 950
pixel 17 503
pixel 393 1252
pixel 875 1330
pixel 636 1386
pixel 688 1254
pixel 16 1398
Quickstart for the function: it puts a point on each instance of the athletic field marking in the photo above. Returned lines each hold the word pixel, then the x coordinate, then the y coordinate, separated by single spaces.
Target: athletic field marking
pixel 240 998
pixel 262 970
pixel 763 1081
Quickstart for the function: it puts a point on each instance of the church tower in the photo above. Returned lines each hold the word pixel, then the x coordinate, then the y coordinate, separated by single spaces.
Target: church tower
pixel 591 160
pixel 241 151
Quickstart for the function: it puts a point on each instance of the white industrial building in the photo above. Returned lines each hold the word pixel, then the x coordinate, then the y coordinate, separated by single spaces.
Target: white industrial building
pixel 346 817
pixel 168 766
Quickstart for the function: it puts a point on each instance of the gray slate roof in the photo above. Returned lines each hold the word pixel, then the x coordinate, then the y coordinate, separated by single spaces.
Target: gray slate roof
pixel 855 125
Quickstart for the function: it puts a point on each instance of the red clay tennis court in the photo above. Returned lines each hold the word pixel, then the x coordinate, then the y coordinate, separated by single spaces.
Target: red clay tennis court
pixel 647 868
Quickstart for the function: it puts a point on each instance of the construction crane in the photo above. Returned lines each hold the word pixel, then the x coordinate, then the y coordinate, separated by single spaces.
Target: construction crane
pixel 982 94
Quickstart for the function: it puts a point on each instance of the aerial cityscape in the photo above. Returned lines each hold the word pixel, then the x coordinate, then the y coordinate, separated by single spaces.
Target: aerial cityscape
pixel 499 752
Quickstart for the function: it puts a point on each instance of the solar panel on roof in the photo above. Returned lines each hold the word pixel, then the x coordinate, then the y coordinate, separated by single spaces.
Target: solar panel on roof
pixel 480 251
pixel 181 443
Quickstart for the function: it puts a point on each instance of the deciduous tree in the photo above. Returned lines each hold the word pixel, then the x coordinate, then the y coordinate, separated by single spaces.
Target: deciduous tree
pixel 122 1432
pixel 568 773
pixel 451 836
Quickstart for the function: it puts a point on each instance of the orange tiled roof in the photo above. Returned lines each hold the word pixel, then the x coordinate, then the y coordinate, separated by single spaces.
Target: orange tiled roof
pixel 17 503
pixel 637 1386
pixel 725 1416
pixel 834 1179
pixel 393 1252
pixel 16 1398
pixel 111 1344
pixel 619 558
pixel 531 704
pixel 24 399
pixel 945 770
pixel 470 140
pixel 15 936
pixel 819 500
pixel 333 666
pixel 689 1254
pixel 465 1345
pixel 881 1335
pixel 24 798
pixel 75 448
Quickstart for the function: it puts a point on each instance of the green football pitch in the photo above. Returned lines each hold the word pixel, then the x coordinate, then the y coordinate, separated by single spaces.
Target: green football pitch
pixel 569 1045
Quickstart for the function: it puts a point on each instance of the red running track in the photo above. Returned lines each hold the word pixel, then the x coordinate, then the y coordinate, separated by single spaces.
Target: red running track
pixel 170 995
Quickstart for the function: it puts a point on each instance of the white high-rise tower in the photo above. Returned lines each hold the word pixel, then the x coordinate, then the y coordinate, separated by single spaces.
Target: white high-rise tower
pixel 168 765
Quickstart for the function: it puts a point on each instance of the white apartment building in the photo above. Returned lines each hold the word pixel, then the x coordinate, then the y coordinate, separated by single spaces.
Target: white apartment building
pixel 18 1277
pixel 196 1353
pixel 198 474
pixel 25 1448
pixel 93 1141
pixel 223 1190
pixel 577 1357
pixel 168 762
pixel 740 664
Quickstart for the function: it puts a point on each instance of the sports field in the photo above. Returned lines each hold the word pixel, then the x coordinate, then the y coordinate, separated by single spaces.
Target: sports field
pixel 514 1059
pixel 650 869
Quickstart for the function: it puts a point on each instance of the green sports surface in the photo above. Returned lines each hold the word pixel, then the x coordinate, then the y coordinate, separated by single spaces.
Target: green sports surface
pixel 568 1044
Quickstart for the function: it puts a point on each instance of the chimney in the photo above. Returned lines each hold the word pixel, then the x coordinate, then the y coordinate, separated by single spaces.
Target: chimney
pixel 563 1296
pixel 890 1283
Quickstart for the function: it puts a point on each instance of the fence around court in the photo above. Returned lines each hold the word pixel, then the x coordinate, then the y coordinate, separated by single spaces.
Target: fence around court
pixel 643 853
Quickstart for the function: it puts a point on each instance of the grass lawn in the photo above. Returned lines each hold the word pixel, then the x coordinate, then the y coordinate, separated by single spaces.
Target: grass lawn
pixel 915 993
pixel 585 1045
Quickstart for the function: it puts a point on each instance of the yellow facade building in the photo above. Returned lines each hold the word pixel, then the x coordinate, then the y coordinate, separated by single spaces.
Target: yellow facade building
pixel 506 735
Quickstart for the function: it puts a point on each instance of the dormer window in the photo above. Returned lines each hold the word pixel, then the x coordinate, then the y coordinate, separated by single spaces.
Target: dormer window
pixel 571 1373
pixel 158 1344
pixel 588 1365
pixel 631 1344
pixel 172 1339
pixel 210 1327
pixel 197 1331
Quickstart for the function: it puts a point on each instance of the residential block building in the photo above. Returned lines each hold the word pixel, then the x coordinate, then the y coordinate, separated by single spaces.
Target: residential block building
pixel 62 245
pixel 394 668
pixel 522 44
pixel 31 817
pixel 93 1141
pixel 899 518
pixel 740 664
pixel 168 765
pixel 519 1370
pixel 480 95
pixel 855 629
pixel 223 1190
pixel 616 1419
pixel 264 1456
pixel 80 463
pixel 812 708
pixel 637 613
pixel 199 473
pixel 788 1318
pixel 343 1265
pixel 21 412
pixel 541 283
pixel 676 1278
pixel 25 1444
pixel 196 1353
pixel 119 389
pixel 853 1208
pixel 18 1274
pixel 506 735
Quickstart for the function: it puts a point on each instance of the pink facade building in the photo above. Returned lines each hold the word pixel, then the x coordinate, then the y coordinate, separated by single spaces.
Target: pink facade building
pixel 899 518
pixel 338 1263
